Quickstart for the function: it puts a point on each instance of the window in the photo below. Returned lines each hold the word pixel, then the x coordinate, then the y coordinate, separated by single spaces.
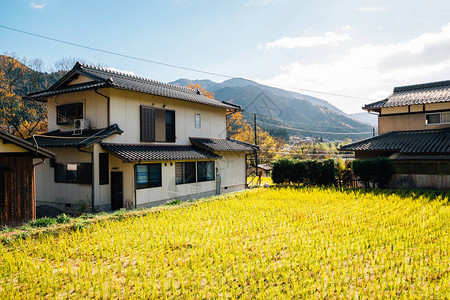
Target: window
pixel 157 125
pixel 103 170
pixel 67 113
pixel 148 175
pixel 205 171
pixel 73 173
pixel 437 118
pixel 185 172
pixel 197 121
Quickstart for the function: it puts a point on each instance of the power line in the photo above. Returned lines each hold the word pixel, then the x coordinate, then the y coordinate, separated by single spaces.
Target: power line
pixel 172 65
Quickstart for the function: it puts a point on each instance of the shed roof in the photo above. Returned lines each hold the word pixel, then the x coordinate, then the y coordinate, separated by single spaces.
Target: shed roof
pixel 410 142
pixel 105 77
pixel 37 151
pixel 432 92
pixel 144 153
pixel 216 144
pixel 65 139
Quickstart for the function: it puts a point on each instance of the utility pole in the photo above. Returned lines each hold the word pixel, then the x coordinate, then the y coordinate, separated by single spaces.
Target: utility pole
pixel 256 143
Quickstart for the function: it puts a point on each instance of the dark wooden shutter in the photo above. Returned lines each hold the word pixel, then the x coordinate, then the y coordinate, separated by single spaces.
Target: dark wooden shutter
pixel 170 126
pixel 147 124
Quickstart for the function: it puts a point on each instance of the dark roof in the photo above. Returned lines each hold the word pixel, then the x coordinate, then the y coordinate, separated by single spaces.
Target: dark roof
pixel 104 77
pixel 140 152
pixel 409 142
pixel 433 92
pixel 62 139
pixel 37 151
pixel 213 144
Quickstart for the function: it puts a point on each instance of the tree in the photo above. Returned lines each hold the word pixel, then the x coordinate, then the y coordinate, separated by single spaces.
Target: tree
pixel 18 114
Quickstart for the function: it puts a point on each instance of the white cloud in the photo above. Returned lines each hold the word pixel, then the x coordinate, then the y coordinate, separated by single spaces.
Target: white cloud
pixel 371 71
pixel 38 6
pixel 120 71
pixel 329 38
pixel 371 8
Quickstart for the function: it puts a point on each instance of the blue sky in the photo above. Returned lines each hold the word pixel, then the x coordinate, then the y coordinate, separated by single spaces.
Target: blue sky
pixel 356 48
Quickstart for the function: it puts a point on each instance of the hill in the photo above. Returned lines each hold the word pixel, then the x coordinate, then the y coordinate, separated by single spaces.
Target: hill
pixel 365 117
pixel 279 110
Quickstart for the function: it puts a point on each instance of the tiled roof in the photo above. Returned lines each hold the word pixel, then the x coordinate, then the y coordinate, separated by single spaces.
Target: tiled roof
pixel 104 77
pixel 213 144
pixel 140 152
pixel 62 139
pixel 433 92
pixel 37 151
pixel 408 142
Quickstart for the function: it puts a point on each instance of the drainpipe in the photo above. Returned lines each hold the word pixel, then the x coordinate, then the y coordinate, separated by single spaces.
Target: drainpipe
pixel 93 176
pixel 33 209
pixel 107 107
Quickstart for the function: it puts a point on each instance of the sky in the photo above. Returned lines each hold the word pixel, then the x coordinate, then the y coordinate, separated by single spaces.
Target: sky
pixel 359 49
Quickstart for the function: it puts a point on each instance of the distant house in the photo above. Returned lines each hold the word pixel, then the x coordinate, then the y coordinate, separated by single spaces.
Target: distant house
pixel 17 202
pixel 414 131
pixel 127 141
pixel 263 170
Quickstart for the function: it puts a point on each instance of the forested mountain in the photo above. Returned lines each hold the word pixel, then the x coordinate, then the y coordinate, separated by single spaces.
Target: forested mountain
pixel 279 110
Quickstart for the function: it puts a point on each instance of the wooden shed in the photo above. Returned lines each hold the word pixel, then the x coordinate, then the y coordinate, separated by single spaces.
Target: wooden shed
pixel 17 202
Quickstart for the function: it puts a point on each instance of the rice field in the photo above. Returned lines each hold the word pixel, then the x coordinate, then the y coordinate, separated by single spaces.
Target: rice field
pixel 262 243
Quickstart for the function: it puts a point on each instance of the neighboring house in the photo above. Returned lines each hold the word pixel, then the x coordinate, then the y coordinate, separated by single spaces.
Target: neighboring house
pixel 414 131
pixel 263 170
pixel 17 202
pixel 128 141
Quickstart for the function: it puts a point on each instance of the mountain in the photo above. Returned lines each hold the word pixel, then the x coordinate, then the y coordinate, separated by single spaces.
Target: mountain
pixel 279 110
pixel 365 117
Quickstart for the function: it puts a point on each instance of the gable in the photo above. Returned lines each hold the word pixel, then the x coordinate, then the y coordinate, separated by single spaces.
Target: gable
pixel 80 79
pixel 10 148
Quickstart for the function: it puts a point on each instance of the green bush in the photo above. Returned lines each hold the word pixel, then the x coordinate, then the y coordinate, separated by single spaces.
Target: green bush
pixel 374 170
pixel 43 222
pixel 312 172
pixel 282 171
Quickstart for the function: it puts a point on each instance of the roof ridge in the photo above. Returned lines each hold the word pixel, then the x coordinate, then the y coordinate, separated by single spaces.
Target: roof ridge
pixel 421 86
pixel 118 72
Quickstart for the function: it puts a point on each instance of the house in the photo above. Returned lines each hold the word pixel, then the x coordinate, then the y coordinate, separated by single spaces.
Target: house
pixel 263 170
pixel 17 202
pixel 124 141
pixel 414 131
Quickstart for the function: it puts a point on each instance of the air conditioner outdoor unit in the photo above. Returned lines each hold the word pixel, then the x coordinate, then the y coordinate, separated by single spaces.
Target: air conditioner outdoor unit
pixel 79 125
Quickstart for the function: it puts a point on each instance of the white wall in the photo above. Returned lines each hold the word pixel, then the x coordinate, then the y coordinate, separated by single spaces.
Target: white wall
pixel 94 106
pixel 49 192
pixel 232 169
pixel 125 111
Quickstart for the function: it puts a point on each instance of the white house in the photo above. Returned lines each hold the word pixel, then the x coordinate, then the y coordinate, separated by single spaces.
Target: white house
pixel 128 141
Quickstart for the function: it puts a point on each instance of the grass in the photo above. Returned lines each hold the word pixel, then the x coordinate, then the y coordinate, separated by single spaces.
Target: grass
pixel 262 243
pixel 264 180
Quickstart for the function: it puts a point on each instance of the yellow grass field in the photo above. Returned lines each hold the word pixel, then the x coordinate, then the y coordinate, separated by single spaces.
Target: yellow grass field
pixel 262 243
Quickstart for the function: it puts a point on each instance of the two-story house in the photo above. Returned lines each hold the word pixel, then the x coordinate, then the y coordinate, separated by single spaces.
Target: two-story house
pixel 127 141
pixel 414 131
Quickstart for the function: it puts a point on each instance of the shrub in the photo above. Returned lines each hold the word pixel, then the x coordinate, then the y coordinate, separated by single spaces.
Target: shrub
pixel 312 172
pixel 282 171
pixel 43 222
pixel 374 170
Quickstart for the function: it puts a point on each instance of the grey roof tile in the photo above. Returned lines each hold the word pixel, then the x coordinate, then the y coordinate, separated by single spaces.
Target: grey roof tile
pixel 433 92
pixel 104 77
pixel 64 139
pixel 144 152
pixel 408 142
pixel 215 144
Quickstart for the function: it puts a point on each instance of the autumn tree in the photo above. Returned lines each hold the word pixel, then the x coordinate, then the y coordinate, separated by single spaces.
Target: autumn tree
pixel 19 115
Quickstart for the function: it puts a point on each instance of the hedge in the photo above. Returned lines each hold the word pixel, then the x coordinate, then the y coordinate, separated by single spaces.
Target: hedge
pixel 312 172
pixel 374 170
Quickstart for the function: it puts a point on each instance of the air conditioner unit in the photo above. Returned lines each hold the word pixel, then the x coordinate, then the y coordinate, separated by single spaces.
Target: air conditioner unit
pixel 79 125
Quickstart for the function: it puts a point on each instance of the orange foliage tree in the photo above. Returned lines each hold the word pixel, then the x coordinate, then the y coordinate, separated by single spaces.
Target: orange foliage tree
pixel 19 115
